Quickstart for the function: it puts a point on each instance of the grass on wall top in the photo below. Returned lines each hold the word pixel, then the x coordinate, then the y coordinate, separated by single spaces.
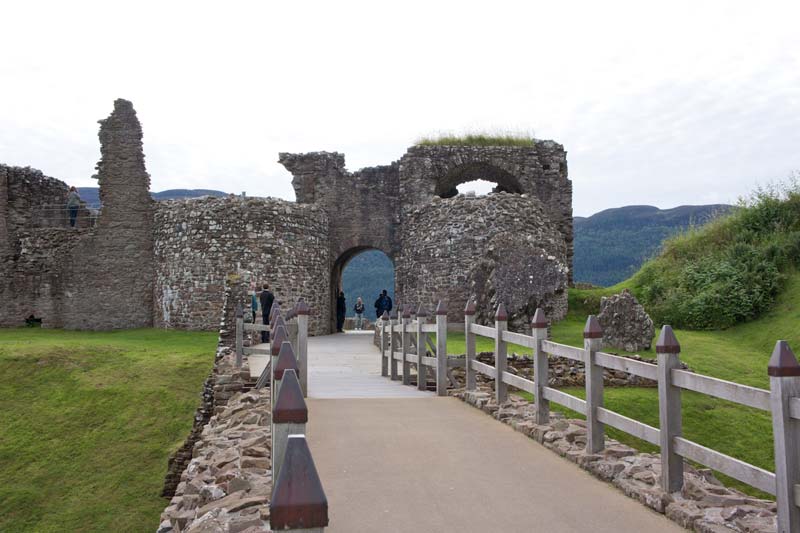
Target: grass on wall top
pixel 478 139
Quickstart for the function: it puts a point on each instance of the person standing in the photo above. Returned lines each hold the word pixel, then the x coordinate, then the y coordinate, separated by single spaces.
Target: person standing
pixel 73 204
pixel 383 303
pixel 265 298
pixel 341 309
pixel 359 310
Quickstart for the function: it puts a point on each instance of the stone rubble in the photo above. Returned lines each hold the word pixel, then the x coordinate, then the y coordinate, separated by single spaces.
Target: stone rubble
pixel 228 482
pixel 704 504
pixel 626 325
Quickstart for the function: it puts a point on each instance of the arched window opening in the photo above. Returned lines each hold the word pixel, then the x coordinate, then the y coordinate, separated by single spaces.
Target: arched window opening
pixel 480 178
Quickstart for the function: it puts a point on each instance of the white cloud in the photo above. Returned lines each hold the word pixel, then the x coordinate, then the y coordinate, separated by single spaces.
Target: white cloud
pixel 677 103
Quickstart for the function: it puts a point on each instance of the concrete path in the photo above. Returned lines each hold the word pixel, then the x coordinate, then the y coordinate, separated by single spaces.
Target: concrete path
pixel 404 460
pixel 348 365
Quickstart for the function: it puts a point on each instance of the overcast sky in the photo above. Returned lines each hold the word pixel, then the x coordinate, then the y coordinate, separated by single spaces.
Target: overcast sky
pixel 684 103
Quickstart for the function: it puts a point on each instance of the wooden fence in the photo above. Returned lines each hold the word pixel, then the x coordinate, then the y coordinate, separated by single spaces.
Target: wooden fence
pixel 298 501
pixel 782 400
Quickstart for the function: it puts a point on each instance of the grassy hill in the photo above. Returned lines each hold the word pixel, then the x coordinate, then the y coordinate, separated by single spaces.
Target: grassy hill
pixel 367 275
pixel 611 245
pixel 91 195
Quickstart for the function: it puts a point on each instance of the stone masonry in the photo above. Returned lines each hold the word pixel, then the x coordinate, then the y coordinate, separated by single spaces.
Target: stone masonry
pixel 626 325
pixel 165 264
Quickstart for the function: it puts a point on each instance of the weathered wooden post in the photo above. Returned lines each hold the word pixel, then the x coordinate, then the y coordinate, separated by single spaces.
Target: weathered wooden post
pixel 469 339
pixel 393 324
pixel 669 410
pixel 384 342
pixel 298 500
pixel 405 338
pixel 239 313
pixel 289 417
pixel 592 343
pixel 286 361
pixel 276 341
pixel 784 384
pixel 441 349
pixel 303 312
pixel 541 370
pixel 422 350
pixel 500 354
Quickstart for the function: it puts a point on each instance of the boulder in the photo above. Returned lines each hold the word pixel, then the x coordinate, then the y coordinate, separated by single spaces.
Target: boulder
pixel 626 325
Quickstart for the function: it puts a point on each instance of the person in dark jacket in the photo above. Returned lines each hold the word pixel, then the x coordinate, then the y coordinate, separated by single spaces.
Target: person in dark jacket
pixel 341 309
pixel 73 204
pixel 359 310
pixel 265 298
pixel 383 303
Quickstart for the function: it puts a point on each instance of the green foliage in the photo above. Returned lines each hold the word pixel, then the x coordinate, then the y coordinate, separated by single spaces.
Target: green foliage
pixel 88 422
pixel 728 271
pixel 479 139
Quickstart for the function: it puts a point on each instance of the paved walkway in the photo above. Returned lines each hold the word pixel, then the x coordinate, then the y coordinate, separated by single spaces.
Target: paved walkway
pixel 393 459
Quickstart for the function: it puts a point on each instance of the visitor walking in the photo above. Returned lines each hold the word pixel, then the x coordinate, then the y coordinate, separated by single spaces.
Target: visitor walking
pixel 265 298
pixel 383 303
pixel 73 204
pixel 341 309
pixel 359 309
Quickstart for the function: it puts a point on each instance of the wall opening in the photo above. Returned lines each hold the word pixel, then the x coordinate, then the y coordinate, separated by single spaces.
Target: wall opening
pixel 363 272
pixel 482 178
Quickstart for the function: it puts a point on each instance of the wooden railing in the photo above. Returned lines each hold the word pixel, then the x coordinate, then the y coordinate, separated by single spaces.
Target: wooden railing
pixel 782 400
pixel 298 501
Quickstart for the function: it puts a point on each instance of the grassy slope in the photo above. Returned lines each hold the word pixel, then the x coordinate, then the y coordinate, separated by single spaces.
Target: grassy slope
pixel 738 354
pixel 88 421
pixel 479 139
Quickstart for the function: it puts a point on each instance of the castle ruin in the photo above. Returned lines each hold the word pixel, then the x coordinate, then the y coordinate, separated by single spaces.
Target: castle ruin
pixel 165 264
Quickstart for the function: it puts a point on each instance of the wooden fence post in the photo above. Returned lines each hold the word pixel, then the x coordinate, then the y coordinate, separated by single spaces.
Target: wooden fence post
pixel 239 313
pixel 469 339
pixel 289 417
pixel 303 312
pixel 393 325
pixel 669 408
pixel 541 370
pixel 276 341
pixel 500 354
pixel 286 361
pixel 384 362
pixel 592 342
pixel 422 371
pixel 784 384
pixel 298 501
pixel 405 338
pixel 441 349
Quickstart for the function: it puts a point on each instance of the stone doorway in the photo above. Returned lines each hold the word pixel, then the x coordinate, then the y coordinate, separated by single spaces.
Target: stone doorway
pixel 361 271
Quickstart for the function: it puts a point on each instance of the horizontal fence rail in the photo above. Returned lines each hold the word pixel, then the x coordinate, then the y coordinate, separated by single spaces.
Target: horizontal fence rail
pixel 782 400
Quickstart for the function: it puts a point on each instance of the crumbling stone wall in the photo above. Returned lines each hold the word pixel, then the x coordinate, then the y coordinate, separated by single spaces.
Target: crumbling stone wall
pixel 200 242
pixel 498 248
pixel 520 254
pixel 109 284
pixel 35 241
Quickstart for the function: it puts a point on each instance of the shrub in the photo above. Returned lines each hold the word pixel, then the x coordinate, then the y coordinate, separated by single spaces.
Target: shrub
pixel 728 271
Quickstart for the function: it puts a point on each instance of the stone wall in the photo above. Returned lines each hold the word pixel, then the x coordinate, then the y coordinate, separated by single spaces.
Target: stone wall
pixel 498 248
pixel 200 242
pixel 109 282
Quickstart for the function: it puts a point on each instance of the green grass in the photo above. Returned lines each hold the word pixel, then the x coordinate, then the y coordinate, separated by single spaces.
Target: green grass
pixel 88 422
pixel 479 139
pixel 740 354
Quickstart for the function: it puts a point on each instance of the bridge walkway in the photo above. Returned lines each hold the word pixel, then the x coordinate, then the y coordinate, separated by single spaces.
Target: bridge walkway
pixel 394 459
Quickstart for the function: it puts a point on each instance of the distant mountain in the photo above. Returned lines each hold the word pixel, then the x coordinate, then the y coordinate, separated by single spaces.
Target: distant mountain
pixel 611 245
pixel 91 195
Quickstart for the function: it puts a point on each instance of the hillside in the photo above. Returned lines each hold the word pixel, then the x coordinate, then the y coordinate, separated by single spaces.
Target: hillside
pixel 611 245
pixel 91 195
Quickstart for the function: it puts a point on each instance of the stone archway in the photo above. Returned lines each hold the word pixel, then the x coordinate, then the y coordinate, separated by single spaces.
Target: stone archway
pixel 506 182
pixel 337 270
